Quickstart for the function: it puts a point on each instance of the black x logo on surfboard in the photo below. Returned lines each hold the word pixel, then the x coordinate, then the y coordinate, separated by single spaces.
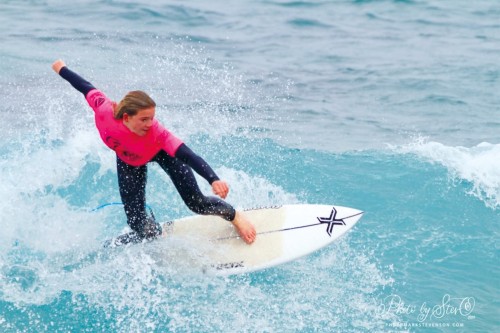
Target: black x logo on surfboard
pixel 331 221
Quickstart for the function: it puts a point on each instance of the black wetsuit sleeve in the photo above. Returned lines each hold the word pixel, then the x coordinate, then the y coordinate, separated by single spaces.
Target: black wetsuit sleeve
pixel 76 81
pixel 198 164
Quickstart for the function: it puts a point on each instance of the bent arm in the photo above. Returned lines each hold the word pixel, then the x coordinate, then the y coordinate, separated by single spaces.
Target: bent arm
pixel 185 154
pixel 74 79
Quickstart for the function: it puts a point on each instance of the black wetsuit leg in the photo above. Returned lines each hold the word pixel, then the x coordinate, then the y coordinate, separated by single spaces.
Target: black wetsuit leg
pixel 184 181
pixel 132 184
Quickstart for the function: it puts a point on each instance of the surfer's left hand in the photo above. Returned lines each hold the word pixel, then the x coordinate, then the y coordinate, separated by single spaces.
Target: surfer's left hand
pixel 58 65
pixel 220 188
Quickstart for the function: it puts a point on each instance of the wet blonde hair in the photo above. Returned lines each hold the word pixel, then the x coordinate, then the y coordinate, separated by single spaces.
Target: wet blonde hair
pixel 132 103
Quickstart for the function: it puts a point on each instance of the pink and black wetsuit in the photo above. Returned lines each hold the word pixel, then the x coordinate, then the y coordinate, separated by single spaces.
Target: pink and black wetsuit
pixel 131 148
pixel 133 152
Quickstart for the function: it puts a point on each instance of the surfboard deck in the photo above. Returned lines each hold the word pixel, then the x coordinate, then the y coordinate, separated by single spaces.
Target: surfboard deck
pixel 284 233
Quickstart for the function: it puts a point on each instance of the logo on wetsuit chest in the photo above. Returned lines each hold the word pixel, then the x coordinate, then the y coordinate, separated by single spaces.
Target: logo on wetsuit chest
pixel 118 148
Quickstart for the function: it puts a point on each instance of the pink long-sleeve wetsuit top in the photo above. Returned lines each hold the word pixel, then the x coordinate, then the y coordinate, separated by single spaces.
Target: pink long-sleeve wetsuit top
pixel 131 148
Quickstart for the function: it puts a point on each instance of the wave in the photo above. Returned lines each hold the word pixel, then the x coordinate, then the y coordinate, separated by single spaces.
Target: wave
pixel 478 165
pixel 304 22
pixel 50 240
pixel 50 257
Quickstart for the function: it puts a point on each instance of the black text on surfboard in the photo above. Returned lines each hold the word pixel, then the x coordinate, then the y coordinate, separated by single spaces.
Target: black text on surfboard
pixel 229 265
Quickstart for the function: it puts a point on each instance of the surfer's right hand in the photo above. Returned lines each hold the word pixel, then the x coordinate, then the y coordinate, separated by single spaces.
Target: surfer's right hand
pixel 57 65
pixel 220 188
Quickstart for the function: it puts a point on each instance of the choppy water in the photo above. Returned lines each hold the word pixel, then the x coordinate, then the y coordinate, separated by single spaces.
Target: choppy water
pixel 386 106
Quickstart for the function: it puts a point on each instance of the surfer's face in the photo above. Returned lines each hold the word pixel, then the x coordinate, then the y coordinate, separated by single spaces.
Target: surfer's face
pixel 141 122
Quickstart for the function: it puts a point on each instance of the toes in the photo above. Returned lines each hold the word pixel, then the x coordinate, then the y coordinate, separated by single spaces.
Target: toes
pixel 251 238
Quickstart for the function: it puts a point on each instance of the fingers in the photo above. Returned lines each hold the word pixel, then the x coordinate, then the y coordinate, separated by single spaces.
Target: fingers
pixel 220 188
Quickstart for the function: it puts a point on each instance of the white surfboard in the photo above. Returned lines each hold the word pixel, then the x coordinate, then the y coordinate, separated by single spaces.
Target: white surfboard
pixel 284 233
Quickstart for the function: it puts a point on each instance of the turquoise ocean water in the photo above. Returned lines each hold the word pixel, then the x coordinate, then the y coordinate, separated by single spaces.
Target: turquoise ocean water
pixel 391 107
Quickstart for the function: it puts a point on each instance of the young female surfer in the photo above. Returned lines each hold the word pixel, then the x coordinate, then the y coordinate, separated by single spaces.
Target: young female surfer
pixel 132 131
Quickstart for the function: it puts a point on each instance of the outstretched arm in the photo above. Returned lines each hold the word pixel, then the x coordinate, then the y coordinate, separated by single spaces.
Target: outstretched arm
pixel 185 154
pixel 74 79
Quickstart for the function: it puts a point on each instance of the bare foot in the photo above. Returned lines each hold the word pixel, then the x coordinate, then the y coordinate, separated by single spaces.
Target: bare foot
pixel 245 228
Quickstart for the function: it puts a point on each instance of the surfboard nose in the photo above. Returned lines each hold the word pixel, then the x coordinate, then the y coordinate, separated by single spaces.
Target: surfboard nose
pixel 343 218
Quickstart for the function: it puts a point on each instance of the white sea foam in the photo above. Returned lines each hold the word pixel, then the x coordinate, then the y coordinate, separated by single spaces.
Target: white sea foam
pixel 479 165
pixel 142 286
